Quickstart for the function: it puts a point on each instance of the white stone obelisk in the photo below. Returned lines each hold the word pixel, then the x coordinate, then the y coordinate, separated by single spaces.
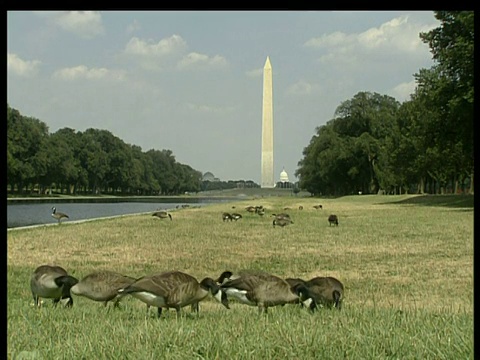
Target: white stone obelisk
pixel 267 127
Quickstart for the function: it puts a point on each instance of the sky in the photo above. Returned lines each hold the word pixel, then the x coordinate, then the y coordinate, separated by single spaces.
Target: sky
pixel 192 81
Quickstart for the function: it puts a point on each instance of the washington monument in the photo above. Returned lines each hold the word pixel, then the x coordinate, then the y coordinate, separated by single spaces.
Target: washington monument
pixel 267 127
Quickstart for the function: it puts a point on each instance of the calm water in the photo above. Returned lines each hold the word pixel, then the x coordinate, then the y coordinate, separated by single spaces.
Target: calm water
pixel 34 213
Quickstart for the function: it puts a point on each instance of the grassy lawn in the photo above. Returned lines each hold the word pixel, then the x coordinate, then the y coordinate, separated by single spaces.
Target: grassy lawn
pixel 406 263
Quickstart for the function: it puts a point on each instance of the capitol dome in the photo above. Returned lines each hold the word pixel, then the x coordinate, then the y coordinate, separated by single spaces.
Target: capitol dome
pixel 284 176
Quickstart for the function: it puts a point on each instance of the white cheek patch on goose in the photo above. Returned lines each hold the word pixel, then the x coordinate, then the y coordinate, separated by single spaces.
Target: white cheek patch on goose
pixel 218 296
pixel 240 295
pixel 149 298
pixel 307 302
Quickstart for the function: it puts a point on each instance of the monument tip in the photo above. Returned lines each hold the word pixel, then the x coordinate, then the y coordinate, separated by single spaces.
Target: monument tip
pixel 267 63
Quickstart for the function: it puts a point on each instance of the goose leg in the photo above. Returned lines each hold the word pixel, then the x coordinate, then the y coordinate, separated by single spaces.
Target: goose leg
pixel 195 307
pixel 36 301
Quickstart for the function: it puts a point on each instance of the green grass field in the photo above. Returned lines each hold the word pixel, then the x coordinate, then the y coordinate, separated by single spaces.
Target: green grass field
pixel 406 263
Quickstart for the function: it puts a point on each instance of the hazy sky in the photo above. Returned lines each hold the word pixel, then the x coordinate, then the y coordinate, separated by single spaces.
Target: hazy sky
pixel 191 81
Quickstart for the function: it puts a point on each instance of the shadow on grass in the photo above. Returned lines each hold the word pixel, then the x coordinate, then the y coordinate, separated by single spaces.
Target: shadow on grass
pixel 451 201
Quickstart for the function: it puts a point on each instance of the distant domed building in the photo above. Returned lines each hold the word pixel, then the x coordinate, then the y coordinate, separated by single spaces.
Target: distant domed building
pixel 284 176
pixel 208 176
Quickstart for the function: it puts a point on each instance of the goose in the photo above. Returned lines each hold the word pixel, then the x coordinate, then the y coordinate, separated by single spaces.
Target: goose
pixel 227 216
pixel 174 289
pixel 318 207
pixel 333 219
pixel 328 291
pixel 58 215
pixel 51 282
pixel 251 209
pixel 236 216
pixel 282 222
pixel 281 216
pixel 162 214
pixel 300 207
pixel 266 290
pixel 102 286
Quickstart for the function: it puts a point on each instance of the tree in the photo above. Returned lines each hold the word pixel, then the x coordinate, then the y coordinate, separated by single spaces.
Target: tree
pixel 449 87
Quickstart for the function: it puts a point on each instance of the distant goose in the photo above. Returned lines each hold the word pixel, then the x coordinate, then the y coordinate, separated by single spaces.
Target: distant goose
pixel 318 207
pixel 162 214
pixel 333 219
pixel 227 216
pixel 282 222
pixel 300 207
pixel 251 209
pixel 236 216
pixel 174 289
pixel 265 290
pixel 281 216
pixel 51 282
pixel 58 215
pixel 102 286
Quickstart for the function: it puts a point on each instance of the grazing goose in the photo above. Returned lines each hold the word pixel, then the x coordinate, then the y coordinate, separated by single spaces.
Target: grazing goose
pixel 162 214
pixel 174 289
pixel 265 290
pixel 282 222
pixel 300 207
pixel 281 216
pixel 318 207
pixel 236 216
pixel 58 215
pixel 328 291
pixel 102 286
pixel 251 209
pixel 333 219
pixel 51 282
pixel 227 216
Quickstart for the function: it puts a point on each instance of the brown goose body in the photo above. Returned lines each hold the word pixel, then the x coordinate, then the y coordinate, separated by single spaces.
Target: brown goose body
pixel 228 275
pixel 51 282
pixel 333 220
pixel 251 209
pixel 161 214
pixel 265 290
pixel 281 216
pixel 102 286
pixel 174 289
pixel 294 281
pixel 328 291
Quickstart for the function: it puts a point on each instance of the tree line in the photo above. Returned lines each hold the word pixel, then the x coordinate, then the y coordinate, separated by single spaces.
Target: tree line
pixel 90 162
pixel 424 145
